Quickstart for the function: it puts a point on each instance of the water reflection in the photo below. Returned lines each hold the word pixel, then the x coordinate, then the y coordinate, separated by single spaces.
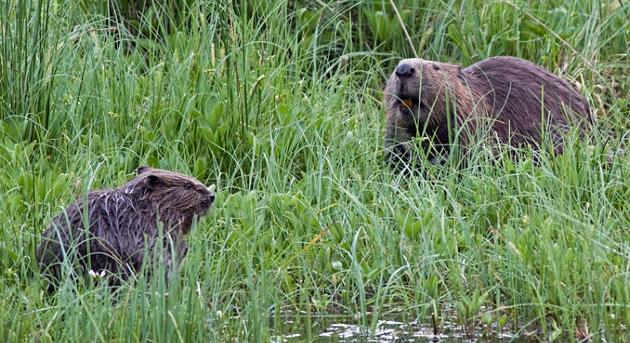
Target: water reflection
pixel 326 328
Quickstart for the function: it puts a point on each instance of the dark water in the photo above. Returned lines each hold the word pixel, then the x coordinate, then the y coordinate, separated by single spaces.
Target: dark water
pixel 341 329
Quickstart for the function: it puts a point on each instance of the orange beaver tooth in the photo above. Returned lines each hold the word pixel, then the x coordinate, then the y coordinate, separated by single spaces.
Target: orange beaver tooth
pixel 407 102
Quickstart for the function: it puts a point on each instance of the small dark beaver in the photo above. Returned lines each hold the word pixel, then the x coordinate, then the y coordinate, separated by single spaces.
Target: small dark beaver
pixel 112 230
pixel 512 99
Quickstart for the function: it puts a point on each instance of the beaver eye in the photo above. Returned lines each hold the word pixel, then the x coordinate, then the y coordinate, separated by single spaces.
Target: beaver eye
pixel 188 186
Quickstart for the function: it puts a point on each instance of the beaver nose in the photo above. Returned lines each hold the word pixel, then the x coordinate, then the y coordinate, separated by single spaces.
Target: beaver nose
pixel 404 70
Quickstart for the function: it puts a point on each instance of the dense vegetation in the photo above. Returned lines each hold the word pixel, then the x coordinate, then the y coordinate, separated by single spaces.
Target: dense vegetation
pixel 278 103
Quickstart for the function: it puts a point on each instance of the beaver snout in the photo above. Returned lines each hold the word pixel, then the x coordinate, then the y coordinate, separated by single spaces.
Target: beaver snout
pixel 208 199
pixel 404 70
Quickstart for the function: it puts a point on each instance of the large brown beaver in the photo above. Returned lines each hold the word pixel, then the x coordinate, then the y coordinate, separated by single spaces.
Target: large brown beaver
pixel 111 231
pixel 445 105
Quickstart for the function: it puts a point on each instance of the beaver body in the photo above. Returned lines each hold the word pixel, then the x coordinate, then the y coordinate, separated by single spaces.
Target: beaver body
pixel 112 230
pixel 512 99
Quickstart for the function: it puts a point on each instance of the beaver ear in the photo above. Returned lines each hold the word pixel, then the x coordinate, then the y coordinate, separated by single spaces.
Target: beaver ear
pixel 142 169
pixel 460 73
pixel 153 181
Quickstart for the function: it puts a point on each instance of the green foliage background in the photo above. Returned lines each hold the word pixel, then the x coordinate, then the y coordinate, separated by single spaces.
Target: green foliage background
pixel 278 104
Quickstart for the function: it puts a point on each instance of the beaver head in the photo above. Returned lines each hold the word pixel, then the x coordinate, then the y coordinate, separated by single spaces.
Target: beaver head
pixel 417 89
pixel 175 198
pixel 423 98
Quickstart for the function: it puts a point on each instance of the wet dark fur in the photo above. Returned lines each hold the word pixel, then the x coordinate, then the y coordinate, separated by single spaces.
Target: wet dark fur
pixel 112 230
pixel 500 95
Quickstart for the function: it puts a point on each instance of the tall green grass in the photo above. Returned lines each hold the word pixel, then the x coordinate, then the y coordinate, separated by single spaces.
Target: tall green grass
pixel 278 104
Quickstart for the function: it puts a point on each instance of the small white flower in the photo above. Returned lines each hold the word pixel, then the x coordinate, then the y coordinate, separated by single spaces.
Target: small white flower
pixel 525 220
pixel 96 275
